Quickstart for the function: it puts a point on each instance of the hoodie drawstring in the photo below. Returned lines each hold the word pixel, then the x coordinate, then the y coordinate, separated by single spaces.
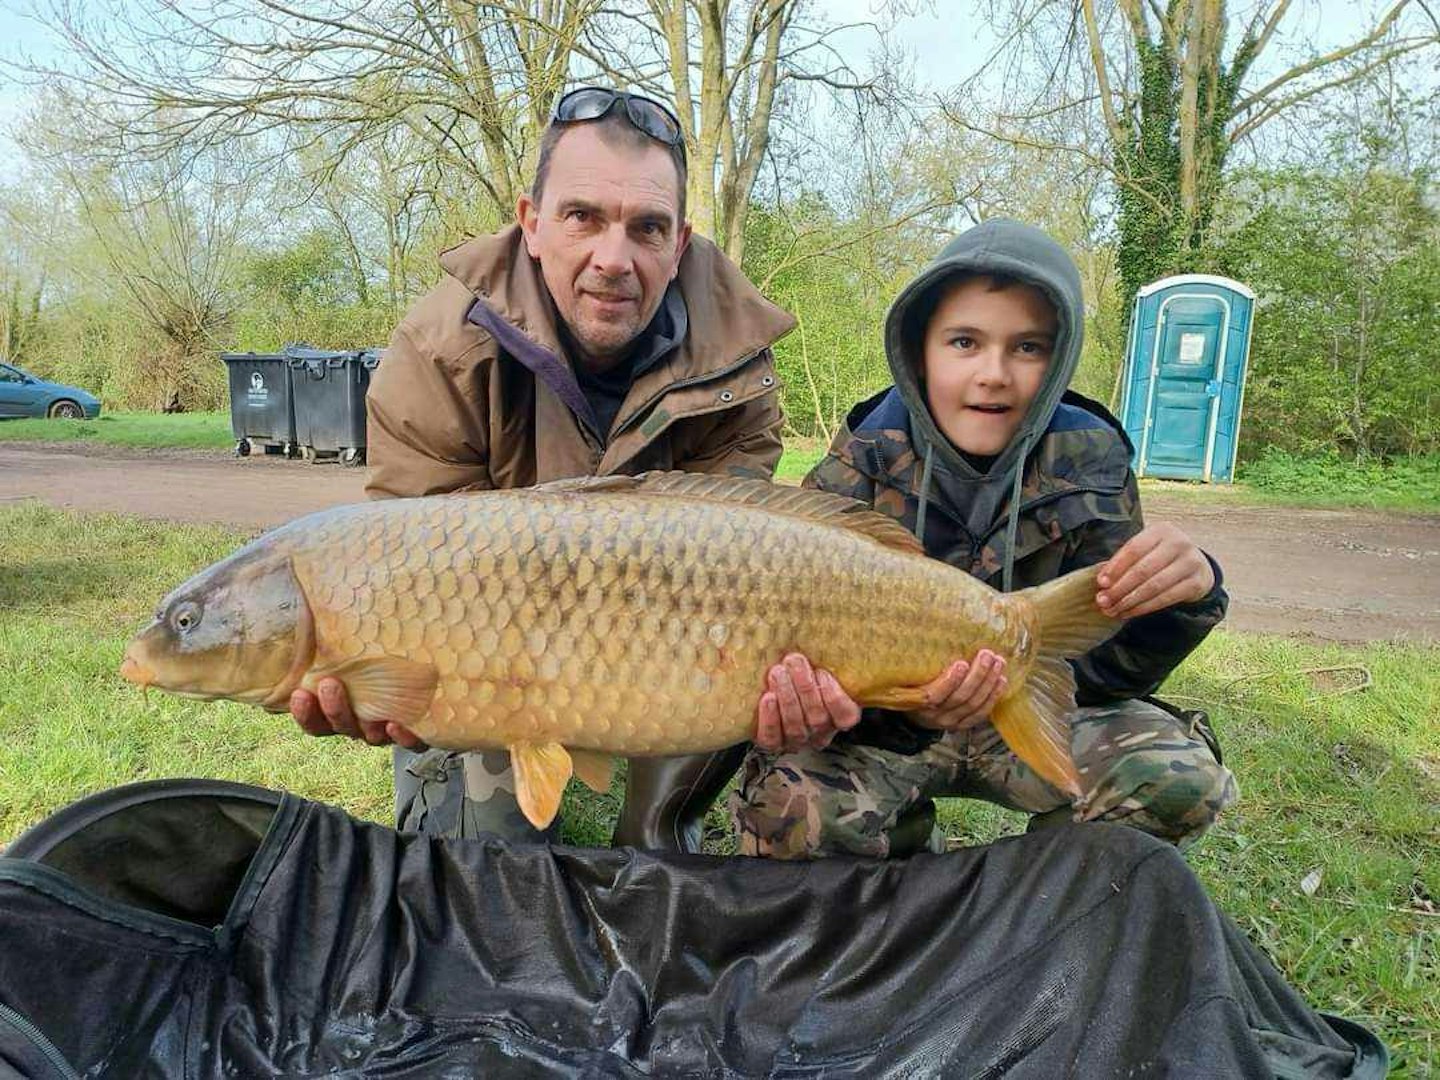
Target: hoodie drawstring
pixel 1013 524
pixel 924 493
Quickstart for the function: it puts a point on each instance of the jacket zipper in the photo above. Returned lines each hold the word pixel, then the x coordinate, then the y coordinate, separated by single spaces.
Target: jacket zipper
pixel 38 1039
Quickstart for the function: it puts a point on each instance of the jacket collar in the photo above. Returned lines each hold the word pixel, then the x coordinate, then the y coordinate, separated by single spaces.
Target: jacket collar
pixel 729 319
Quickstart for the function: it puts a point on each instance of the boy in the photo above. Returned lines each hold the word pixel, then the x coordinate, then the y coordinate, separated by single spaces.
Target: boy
pixel 981 451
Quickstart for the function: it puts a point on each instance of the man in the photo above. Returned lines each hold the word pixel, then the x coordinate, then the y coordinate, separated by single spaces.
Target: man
pixel 593 337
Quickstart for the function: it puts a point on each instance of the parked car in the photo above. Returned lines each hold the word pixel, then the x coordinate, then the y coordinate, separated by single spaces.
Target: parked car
pixel 23 394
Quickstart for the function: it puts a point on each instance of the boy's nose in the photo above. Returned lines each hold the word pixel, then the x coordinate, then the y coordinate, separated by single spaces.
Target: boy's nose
pixel 993 370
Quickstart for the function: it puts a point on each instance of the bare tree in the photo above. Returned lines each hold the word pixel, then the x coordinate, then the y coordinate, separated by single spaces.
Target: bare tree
pixel 471 83
pixel 1170 98
pixel 167 233
pixel 732 67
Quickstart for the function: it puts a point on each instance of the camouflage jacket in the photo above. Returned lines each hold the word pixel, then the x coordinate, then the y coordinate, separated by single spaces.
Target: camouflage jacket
pixel 1079 504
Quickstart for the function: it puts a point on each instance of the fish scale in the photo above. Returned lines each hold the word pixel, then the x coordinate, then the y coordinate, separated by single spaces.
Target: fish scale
pixel 628 616
pixel 626 590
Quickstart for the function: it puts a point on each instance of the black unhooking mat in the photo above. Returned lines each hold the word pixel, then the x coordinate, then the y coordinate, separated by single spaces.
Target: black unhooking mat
pixel 199 929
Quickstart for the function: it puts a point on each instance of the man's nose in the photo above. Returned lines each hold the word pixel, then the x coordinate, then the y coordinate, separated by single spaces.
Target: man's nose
pixel 613 254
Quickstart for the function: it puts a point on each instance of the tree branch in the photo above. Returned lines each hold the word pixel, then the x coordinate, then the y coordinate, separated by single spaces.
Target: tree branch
pixel 1275 108
pixel 1102 78
pixel 1334 56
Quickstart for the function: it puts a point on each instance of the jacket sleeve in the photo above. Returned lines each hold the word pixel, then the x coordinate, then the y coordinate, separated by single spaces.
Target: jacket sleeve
pixel 426 422
pixel 745 442
pixel 1146 650
pixel 835 474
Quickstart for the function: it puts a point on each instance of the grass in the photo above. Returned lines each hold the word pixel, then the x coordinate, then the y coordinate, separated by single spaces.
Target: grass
pixel 1342 782
pixel 800 456
pixel 201 430
pixel 211 430
pixel 1410 485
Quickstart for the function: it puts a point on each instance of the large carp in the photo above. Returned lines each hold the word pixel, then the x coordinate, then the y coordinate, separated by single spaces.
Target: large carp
pixel 617 616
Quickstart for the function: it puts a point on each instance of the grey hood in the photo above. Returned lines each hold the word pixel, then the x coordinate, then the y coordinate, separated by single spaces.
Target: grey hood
pixel 999 246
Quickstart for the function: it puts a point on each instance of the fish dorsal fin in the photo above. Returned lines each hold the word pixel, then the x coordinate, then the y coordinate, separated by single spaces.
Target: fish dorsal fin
pixel 807 503
pixel 589 484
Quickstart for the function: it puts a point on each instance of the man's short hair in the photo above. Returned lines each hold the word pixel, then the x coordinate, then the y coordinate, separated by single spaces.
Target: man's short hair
pixel 617 130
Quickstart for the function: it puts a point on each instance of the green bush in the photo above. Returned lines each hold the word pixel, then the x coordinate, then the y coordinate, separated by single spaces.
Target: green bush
pixel 1413 481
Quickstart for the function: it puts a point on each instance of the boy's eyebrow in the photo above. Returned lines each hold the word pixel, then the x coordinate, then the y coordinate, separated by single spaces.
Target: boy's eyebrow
pixel 957 328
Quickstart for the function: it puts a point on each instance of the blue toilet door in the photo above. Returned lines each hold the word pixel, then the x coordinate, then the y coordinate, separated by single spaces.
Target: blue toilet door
pixel 1185 387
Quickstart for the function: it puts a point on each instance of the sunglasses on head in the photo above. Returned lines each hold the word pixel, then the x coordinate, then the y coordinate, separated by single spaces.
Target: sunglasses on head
pixel 647 114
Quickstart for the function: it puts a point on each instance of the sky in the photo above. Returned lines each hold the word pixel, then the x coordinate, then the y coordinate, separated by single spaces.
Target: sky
pixel 946 39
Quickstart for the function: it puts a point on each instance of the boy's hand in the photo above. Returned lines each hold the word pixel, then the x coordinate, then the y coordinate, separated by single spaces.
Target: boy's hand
pixel 802 707
pixel 1156 568
pixel 327 712
pixel 964 694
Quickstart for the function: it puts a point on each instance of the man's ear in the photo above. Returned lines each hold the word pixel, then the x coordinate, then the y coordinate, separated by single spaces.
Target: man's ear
pixel 682 243
pixel 527 213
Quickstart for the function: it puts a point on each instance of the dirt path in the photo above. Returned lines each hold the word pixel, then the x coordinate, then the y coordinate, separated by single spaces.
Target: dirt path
pixel 1333 574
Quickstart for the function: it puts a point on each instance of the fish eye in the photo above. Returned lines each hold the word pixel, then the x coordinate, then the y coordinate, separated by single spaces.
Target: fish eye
pixel 185 616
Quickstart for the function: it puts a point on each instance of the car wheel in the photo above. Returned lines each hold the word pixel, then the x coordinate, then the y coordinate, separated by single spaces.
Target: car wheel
pixel 66 410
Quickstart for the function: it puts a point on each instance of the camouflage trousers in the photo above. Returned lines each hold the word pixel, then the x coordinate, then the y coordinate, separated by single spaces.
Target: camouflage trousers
pixel 442 793
pixel 1138 765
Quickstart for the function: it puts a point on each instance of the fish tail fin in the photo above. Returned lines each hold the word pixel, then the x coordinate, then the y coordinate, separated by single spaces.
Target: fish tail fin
pixel 1034 719
pixel 1067 620
pixel 1034 722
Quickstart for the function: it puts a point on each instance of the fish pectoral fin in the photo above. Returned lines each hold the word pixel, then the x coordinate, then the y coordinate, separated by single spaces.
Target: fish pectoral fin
pixel 387 688
pixel 593 768
pixel 903 698
pixel 541 772
pixel 1034 721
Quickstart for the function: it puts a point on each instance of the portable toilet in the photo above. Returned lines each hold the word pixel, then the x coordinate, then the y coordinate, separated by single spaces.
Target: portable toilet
pixel 1184 379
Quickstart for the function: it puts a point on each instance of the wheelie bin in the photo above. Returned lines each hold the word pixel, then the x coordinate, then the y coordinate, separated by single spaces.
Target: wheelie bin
pixel 262 410
pixel 329 393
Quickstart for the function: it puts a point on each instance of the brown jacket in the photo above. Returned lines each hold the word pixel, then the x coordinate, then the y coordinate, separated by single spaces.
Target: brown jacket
pixel 451 407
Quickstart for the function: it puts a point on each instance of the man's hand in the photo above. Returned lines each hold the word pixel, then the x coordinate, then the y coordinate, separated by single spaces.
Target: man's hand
pixel 1156 568
pixel 327 712
pixel 964 694
pixel 802 707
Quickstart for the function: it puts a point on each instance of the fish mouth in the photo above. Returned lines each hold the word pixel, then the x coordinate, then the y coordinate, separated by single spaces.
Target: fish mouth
pixel 133 671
